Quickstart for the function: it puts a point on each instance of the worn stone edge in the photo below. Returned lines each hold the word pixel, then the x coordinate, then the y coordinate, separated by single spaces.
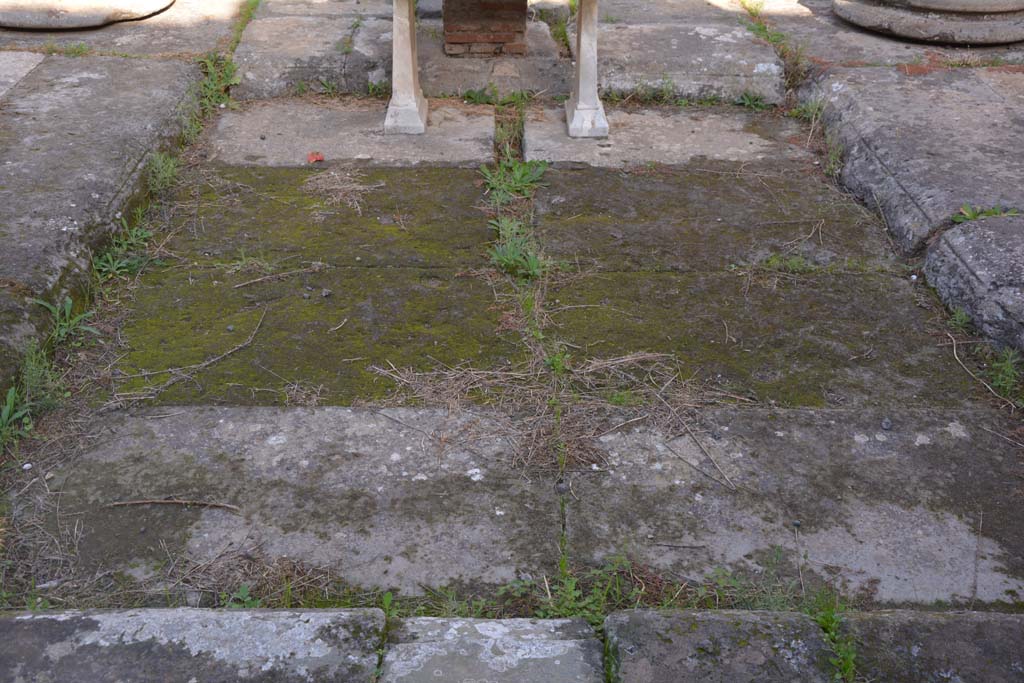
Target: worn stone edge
pixel 958 286
pixel 74 276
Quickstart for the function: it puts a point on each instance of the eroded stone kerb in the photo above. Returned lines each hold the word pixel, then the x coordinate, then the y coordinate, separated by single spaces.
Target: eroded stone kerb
pixel 145 646
pixel 979 267
pixel 989 22
pixel 911 144
pixel 74 14
pixel 499 651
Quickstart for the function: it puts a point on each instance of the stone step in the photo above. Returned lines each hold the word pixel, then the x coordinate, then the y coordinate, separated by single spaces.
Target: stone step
pixel 773 647
pixel 324 646
pixel 895 506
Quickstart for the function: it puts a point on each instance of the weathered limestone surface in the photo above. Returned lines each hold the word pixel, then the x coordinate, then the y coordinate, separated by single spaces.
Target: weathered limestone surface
pixel 160 645
pixel 14 66
pixel 392 497
pixel 188 28
pixel 283 132
pixel 667 136
pixel 68 14
pixel 918 157
pixel 973 23
pixel 828 40
pixel 66 173
pixel 507 651
pixel 894 646
pixel 693 647
pixel 907 647
pixel 714 58
pixel 979 267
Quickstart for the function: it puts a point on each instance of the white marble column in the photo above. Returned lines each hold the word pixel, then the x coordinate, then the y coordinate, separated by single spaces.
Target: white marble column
pixel 407 111
pixel 584 110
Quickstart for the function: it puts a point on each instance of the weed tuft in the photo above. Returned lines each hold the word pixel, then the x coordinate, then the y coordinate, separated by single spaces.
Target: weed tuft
pixel 161 172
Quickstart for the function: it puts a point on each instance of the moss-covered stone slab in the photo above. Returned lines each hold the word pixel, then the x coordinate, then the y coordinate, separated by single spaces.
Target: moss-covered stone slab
pixel 424 217
pixel 159 645
pixel 821 339
pixel 894 506
pixel 706 215
pixel 398 498
pixel 321 332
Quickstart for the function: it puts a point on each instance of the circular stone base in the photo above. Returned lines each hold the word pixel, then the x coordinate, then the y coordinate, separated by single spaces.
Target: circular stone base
pixel 72 14
pixel 957 28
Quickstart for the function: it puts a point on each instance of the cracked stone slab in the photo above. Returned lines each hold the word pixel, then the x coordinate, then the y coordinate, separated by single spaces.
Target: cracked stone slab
pixel 186 29
pixel 283 132
pixel 158 645
pixel 726 645
pixel 890 514
pixel 907 647
pixel 919 157
pixel 424 650
pixel 345 52
pixel 662 136
pixel 393 498
pixel 979 267
pixel 720 59
pixel 14 66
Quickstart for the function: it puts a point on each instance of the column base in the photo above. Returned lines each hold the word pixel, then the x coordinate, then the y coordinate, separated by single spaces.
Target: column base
pixel 957 28
pixel 586 122
pixel 407 119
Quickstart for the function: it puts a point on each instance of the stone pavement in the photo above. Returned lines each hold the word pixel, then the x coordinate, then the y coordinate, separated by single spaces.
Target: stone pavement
pixel 643 647
pixel 281 368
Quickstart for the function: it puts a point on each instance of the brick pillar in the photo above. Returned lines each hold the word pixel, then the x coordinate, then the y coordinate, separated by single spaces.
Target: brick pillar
pixel 482 28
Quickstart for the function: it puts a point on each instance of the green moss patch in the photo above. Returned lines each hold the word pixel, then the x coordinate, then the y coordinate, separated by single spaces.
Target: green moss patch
pixel 369 317
pixel 703 216
pixel 399 217
pixel 819 340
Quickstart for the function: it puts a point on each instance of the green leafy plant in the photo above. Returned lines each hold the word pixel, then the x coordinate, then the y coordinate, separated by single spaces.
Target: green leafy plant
pixel 752 101
pixel 1005 373
pixel 220 74
pixel 379 90
pixel 514 252
pixel 969 213
pixel 511 179
pixel 240 599
pixel 15 417
pixel 828 615
pixel 67 325
pixel 960 320
pixel 809 111
pixel 558 362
